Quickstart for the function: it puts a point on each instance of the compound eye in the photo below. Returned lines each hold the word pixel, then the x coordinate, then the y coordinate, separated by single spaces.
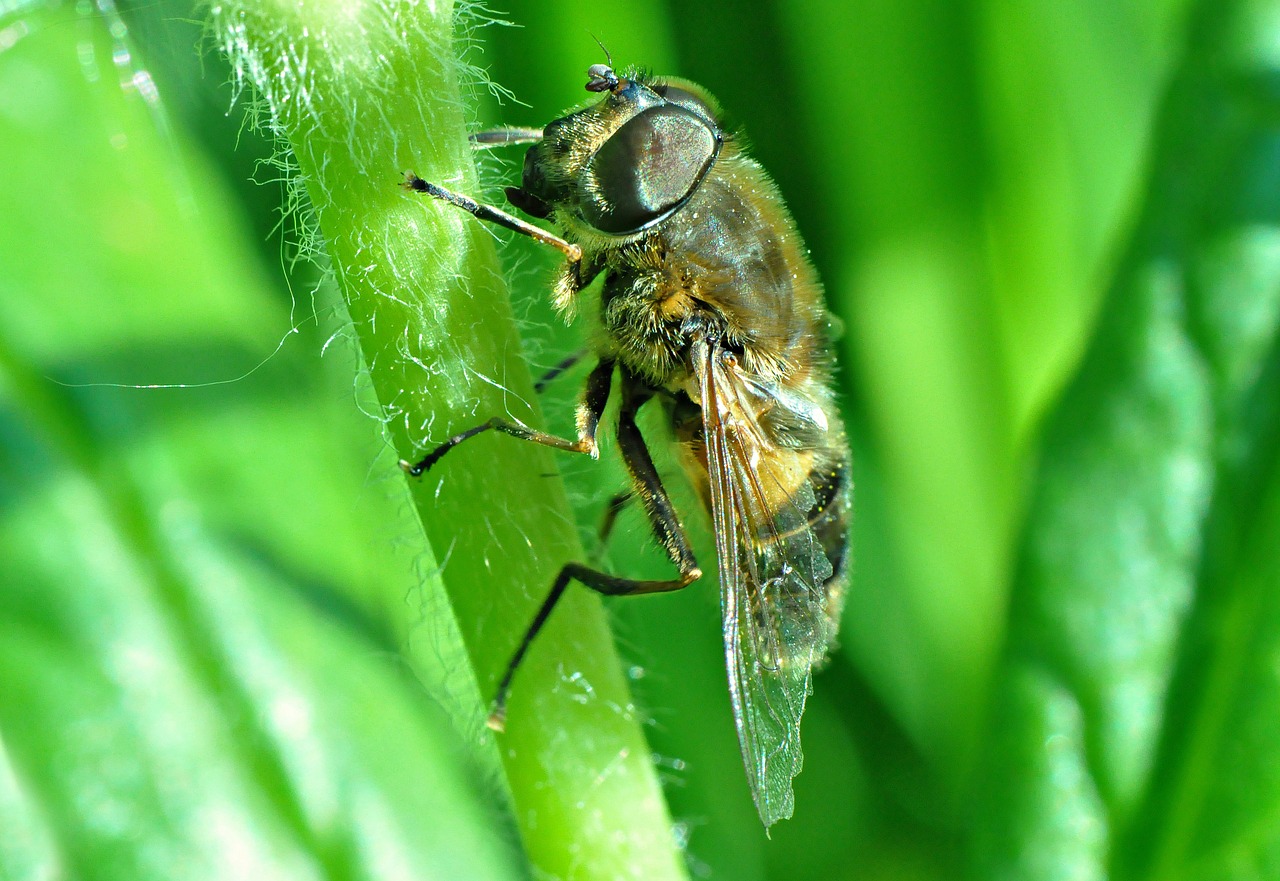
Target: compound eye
pixel 647 169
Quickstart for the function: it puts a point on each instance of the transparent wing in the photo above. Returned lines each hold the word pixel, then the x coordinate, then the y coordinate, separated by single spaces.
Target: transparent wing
pixel 778 620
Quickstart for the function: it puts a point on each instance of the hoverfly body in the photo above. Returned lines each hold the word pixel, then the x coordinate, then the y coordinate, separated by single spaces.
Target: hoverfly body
pixel 710 308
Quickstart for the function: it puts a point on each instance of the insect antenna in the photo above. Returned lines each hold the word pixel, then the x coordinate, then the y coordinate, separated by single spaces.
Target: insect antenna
pixel 607 57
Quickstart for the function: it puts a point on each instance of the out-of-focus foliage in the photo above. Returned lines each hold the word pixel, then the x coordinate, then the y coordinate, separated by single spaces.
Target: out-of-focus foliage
pixel 199 674
pixel 227 636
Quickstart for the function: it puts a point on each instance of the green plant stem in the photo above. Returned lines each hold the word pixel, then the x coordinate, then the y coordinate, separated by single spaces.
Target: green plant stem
pixel 362 92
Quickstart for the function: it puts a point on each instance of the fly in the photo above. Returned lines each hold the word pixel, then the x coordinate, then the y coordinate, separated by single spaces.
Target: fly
pixel 711 311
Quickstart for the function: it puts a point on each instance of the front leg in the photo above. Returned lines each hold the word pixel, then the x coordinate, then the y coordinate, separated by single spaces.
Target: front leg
pixel 506 136
pixel 489 214
pixel 579 269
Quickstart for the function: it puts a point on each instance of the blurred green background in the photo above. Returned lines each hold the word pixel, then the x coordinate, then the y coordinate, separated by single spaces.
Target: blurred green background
pixel 1052 233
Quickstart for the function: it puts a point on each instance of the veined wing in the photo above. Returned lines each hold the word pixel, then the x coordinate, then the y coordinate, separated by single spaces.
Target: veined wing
pixel 779 611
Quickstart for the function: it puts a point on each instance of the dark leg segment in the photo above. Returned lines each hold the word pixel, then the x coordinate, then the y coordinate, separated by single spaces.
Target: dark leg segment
pixel 555 372
pixel 610 519
pixel 594 399
pixel 663 518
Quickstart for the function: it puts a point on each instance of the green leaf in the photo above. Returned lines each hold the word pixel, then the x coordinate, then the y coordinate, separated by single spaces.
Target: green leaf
pixel 978 163
pixel 1132 698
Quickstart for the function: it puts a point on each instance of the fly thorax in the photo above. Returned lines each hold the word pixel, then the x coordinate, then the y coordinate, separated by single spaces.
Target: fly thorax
pixel 645 314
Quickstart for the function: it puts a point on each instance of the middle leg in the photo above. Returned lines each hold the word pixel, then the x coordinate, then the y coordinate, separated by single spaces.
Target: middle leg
pixel 594 399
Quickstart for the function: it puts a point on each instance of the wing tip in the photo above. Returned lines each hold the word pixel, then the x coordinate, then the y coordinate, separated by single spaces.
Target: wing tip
pixel 771 815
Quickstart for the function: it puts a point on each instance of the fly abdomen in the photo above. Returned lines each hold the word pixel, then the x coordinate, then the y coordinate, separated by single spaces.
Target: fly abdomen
pixel 829 519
